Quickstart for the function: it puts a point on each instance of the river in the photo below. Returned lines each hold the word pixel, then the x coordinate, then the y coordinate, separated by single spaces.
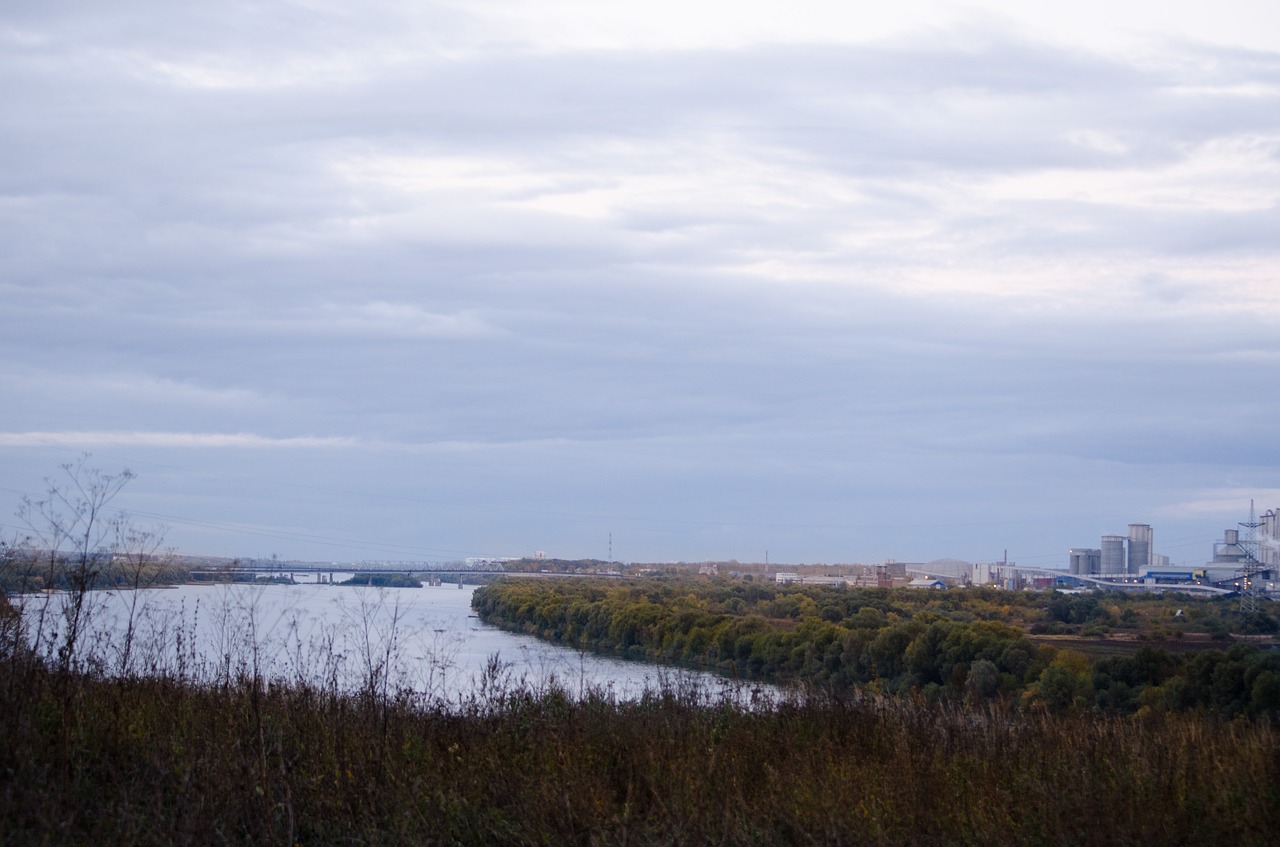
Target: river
pixel 425 640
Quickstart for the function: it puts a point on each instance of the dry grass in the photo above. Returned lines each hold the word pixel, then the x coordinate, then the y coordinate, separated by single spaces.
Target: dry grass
pixel 162 761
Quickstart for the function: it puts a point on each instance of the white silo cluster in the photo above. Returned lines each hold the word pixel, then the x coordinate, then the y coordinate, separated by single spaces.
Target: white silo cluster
pixel 1118 555
pixel 1085 560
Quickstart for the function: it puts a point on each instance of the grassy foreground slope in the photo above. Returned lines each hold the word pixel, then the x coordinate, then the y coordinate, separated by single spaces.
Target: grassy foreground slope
pixel 156 761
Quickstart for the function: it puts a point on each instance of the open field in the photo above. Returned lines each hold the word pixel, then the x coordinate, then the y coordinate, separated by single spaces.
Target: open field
pixel 1128 644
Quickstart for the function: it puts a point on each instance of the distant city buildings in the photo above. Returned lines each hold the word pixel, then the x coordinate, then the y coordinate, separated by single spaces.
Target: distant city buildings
pixel 1121 562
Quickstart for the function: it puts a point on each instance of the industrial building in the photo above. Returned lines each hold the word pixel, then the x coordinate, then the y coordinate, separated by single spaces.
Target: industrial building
pixel 1118 555
pixel 959 572
pixel 1269 537
pixel 1245 561
pixel 791 577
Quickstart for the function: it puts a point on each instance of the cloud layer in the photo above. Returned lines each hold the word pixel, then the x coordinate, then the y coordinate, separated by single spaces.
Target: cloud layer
pixel 455 280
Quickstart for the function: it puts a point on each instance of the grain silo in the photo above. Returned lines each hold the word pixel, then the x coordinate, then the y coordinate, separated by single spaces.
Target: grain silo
pixel 1140 545
pixel 1085 560
pixel 1113 559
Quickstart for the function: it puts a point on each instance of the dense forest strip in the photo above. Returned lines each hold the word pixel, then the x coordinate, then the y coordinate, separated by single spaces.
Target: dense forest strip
pixel 970 645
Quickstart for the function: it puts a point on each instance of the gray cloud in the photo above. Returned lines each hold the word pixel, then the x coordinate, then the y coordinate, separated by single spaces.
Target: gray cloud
pixel 490 298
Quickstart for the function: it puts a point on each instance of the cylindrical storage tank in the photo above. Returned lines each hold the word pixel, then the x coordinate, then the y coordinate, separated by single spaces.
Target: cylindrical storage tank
pixel 1084 560
pixel 1112 554
pixel 1140 538
pixel 1232 536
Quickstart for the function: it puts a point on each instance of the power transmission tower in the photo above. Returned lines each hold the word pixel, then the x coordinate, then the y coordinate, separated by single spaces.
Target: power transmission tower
pixel 1251 568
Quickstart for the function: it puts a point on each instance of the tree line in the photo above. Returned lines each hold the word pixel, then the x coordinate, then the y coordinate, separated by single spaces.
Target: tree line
pixel 970 645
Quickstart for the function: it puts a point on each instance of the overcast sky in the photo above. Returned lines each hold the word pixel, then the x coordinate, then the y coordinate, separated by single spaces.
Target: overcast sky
pixel 839 281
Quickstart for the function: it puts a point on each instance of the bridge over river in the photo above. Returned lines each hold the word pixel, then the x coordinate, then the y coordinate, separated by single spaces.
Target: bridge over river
pixel 251 570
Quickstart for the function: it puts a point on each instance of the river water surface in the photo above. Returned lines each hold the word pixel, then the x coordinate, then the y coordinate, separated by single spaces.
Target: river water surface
pixel 422 639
